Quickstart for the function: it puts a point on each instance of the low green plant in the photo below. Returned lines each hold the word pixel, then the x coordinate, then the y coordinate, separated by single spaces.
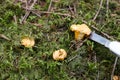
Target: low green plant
pixel 90 61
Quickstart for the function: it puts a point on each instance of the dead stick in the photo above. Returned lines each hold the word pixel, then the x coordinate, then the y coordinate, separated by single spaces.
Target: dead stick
pixel 49 8
pixel 37 12
pixel 62 14
pixel 15 19
pixel 114 66
pixel 29 1
pixel 101 2
pixel 4 37
pixel 71 10
pixel 28 12
pixel 107 6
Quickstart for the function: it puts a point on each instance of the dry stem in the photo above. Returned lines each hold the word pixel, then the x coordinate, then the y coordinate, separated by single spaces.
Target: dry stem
pixel 101 2
pixel 28 12
pixel 114 66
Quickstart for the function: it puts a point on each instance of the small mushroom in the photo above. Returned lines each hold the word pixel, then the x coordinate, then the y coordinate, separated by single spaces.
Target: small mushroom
pixel 59 55
pixel 116 77
pixel 28 41
pixel 80 31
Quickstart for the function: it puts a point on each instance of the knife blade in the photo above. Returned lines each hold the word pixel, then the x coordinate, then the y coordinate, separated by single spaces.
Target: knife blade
pixel 114 46
pixel 99 39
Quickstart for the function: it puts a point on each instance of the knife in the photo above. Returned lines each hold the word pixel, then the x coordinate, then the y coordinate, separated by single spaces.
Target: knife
pixel 114 46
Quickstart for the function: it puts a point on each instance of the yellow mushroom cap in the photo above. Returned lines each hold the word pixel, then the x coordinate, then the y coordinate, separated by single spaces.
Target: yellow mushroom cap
pixel 27 41
pixel 74 27
pixel 83 28
pixel 80 30
pixel 59 54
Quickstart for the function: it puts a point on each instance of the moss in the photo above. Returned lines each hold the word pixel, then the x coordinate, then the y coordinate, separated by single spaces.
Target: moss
pixel 51 32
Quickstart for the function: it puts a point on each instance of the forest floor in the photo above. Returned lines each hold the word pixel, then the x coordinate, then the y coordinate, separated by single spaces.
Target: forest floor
pixel 48 23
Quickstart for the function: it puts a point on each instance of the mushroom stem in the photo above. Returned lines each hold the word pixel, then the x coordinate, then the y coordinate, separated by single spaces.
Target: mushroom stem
pixel 78 35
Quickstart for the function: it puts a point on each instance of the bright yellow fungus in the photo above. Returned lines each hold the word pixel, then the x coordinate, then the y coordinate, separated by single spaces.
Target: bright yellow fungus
pixel 59 55
pixel 27 41
pixel 80 31
pixel 116 77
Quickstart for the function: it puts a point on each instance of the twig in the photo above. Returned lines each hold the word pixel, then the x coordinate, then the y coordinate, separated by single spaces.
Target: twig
pixel 46 12
pixel 81 43
pixel 95 61
pixel 75 5
pixel 75 11
pixel 49 8
pixel 71 10
pixel 29 1
pixel 62 14
pixel 38 25
pixel 114 66
pixel 72 58
pixel 15 19
pixel 107 6
pixel 37 12
pixel 23 1
pixel 109 37
pixel 28 12
pixel 101 2
pixel 98 75
pixel 4 37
